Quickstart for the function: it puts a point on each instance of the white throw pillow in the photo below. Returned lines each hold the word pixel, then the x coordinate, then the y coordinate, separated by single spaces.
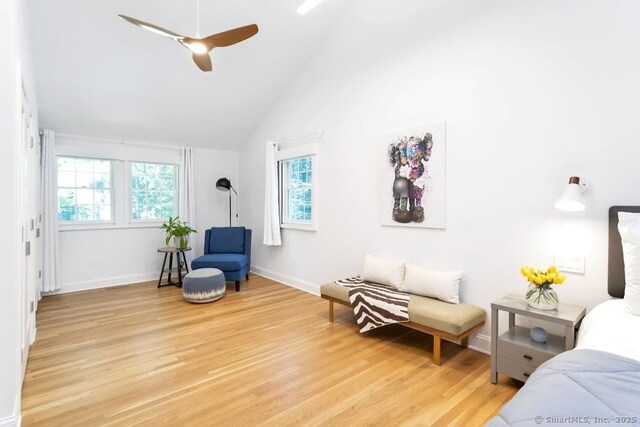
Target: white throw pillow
pixel 629 227
pixel 442 285
pixel 383 271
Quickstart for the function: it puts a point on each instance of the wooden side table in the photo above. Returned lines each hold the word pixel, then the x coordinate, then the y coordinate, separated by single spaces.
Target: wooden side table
pixel 514 353
pixel 180 265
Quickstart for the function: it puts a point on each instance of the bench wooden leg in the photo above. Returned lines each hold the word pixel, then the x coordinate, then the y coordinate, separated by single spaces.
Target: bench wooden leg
pixel 436 350
pixel 331 311
pixel 465 342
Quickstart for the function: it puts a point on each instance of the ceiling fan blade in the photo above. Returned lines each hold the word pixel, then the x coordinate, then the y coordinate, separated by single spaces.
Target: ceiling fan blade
pixel 230 37
pixel 153 28
pixel 203 61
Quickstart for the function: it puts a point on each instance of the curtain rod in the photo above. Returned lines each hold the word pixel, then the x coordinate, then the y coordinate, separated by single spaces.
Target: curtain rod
pixel 119 141
pixel 290 141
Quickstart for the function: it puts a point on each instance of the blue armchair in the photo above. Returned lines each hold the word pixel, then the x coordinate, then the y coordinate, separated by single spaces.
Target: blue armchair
pixel 227 249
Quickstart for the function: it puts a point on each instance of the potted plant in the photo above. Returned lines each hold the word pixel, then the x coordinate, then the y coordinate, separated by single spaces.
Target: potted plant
pixel 179 231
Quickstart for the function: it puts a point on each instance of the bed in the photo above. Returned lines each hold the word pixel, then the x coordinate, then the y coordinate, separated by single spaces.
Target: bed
pixel 599 381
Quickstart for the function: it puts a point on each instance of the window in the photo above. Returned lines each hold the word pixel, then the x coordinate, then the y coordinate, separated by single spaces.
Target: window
pixel 153 191
pixel 298 185
pixel 297 190
pixel 84 190
pixel 103 193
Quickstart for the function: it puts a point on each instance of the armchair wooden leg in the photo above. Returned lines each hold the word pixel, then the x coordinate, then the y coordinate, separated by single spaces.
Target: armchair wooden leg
pixel 237 286
pixel 436 350
pixel 247 276
pixel 331 311
pixel 465 342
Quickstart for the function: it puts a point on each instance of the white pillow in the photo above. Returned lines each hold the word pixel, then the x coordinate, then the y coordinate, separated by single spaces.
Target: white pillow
pixel 383 271
pixel 442 285
pixel 629 227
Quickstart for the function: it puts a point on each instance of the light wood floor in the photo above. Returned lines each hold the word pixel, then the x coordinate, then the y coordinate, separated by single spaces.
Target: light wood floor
pixel 138 355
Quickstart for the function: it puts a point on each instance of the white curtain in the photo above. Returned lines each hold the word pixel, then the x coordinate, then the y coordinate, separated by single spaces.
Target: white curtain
pixel 271 209
pixel 187 210
pixel 50 252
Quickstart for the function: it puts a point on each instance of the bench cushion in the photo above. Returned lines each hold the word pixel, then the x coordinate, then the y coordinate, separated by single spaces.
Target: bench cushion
pixel 454 319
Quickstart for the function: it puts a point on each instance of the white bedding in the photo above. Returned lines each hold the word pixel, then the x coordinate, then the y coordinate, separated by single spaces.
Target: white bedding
pixel 608 327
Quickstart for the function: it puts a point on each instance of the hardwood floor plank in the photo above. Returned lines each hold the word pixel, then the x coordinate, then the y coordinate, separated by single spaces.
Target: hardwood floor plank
pixel 138 355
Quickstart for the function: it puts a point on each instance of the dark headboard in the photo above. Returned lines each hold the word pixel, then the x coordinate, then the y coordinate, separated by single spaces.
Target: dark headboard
pixel 616 260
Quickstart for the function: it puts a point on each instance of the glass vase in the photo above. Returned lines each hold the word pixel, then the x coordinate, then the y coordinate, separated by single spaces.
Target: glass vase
pixel 542 297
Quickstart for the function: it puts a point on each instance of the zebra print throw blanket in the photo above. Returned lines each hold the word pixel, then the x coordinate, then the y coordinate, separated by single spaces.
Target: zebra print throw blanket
pixel 375 304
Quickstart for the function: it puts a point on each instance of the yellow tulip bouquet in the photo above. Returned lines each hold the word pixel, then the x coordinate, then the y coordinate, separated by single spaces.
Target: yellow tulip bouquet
pixel 539 294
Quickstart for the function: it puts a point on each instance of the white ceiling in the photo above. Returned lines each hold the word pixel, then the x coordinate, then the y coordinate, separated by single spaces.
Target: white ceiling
pixel 100 76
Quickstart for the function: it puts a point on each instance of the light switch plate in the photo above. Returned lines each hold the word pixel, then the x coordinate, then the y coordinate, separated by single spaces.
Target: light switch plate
pixel 570 263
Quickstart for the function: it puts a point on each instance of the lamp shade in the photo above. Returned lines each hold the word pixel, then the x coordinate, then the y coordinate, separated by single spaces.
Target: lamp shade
pixel 223 184
pixel 572 200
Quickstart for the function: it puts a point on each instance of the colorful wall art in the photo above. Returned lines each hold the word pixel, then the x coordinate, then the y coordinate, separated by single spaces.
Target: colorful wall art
pixel 413 182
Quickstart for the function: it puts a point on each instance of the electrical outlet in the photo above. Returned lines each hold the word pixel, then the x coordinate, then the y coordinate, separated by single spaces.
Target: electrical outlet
pixel 93 261
pixel 296 261
pixel 570 263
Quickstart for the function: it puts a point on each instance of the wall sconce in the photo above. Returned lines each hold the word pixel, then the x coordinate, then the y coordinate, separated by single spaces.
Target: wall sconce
pixel 572 199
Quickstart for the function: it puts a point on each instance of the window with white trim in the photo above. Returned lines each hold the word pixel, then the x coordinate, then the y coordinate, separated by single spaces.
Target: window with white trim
pixel 153 190
pixel 297 190
pixel 98 193
pixel 85 192
pixel 298 186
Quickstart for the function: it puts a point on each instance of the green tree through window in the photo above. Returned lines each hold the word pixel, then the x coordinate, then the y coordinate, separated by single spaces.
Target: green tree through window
pixel 84 189
pixel 298 189
pixel 153 191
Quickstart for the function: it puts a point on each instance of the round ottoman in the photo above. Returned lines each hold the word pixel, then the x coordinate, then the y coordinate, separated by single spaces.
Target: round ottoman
pixel 204 285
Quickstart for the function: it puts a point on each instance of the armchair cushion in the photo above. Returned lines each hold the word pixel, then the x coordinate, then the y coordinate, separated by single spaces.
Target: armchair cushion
pixel 224 262
pixel 227 240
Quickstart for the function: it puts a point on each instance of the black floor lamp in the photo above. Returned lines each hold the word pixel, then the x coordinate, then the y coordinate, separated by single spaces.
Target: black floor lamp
pixel 223 184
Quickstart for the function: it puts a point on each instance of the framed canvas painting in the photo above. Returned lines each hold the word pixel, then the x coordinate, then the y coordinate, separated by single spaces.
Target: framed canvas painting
pixel 412 188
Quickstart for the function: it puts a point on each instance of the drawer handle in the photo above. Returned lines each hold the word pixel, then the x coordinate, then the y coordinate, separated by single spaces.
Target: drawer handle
pixel 526 375
pixel 526 356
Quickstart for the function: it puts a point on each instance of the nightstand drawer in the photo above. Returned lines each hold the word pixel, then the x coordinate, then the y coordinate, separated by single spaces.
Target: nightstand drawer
pixel 517 345
pixel 524 355
pixel 519 371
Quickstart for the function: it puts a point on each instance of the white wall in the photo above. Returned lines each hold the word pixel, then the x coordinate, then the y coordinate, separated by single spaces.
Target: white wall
pixel 14 44
pixel 532 91
pixel 107 257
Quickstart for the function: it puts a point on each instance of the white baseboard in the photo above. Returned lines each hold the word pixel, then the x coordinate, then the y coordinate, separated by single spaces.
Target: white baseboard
pixel 15 419
pixel 10 421
pixel 481 343
pixel 294 282
pixel 105 283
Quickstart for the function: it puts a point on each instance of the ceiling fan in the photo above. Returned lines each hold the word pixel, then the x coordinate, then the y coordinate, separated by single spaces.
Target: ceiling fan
pixel 200 46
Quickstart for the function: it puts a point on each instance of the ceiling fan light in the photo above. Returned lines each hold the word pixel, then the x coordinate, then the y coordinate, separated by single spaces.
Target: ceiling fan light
pixel 197 48
pixel 307 5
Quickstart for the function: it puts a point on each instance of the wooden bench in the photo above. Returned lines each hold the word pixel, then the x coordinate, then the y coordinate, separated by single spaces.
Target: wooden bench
pixel 454 322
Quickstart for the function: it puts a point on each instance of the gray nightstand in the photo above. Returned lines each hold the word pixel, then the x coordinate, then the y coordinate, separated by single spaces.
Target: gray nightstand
pixel 514 353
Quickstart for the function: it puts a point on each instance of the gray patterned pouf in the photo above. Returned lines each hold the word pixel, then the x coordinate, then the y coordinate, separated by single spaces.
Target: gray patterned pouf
pixel 204 285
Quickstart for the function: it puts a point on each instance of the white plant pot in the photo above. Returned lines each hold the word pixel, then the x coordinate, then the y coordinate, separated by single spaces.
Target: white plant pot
pixel 176 241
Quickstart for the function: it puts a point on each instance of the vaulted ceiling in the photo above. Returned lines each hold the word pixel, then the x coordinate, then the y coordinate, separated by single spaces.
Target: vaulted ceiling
pixel 100 76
